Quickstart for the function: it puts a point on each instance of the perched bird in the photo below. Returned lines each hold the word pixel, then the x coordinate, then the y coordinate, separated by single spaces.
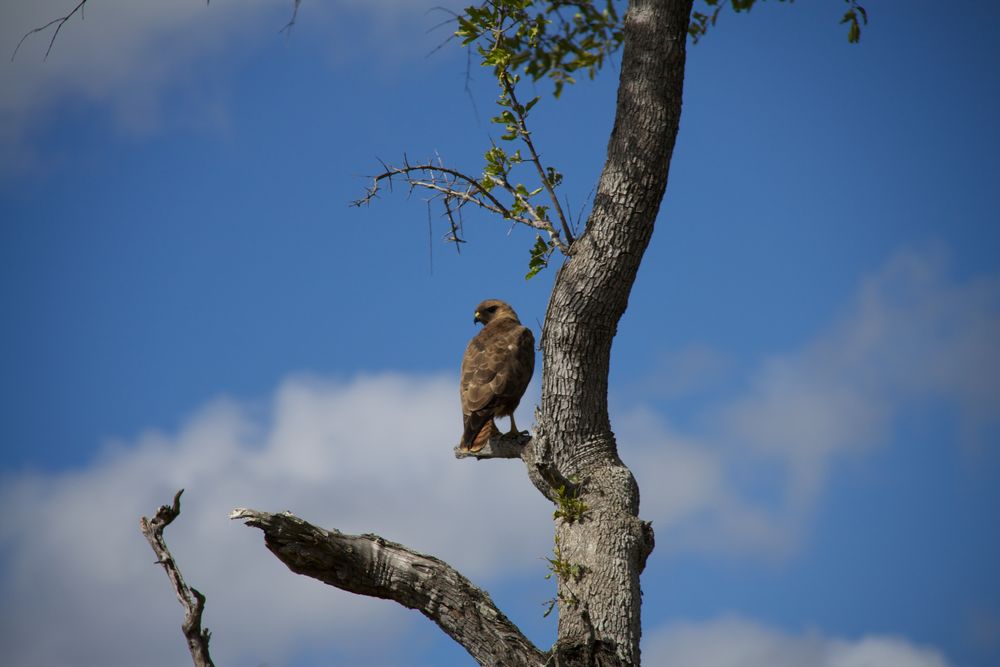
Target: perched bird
pixel 496 369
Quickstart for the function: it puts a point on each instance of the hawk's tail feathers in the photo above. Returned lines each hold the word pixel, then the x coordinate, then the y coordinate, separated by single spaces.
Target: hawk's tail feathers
pixel 488 430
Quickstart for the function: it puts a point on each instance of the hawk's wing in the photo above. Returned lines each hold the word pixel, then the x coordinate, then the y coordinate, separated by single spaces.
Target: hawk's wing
pixel 496 369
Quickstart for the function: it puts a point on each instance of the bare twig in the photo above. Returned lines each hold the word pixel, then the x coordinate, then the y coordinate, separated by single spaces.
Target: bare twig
pixel 583 207
pixel 58 23
pixel 192 600
pixel 453 19
pixel 468 87
pixel 373 566
pixel 454 221
pixel 291 22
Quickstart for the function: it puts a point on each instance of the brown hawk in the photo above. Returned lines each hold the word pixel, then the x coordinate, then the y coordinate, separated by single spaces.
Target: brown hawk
pixel 496 369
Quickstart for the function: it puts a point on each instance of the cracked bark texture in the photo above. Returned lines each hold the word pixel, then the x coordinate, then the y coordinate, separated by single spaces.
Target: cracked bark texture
pixel 599 614
pixel 373 566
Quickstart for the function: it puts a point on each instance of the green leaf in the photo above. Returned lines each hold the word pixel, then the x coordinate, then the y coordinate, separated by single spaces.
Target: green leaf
pixel 553 176
pixel 539 257
pixel 540 40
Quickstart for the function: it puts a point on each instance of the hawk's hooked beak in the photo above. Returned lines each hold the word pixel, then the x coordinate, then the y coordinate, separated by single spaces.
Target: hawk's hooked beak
pixel 476 320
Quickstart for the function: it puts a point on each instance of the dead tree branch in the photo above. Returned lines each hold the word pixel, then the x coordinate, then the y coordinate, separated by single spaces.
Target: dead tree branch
pixel 501 446
pixel 192 600
pixel 370 565
pixel 58 23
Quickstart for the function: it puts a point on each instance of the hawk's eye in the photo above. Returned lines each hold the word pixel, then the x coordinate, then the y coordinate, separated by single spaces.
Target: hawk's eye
pixel 491 309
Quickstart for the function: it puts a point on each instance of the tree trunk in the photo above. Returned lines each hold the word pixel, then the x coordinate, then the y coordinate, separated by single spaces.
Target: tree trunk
pixel 601 545
pixel 599 603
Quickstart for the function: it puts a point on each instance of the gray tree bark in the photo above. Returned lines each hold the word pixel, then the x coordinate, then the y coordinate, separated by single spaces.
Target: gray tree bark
pixel 373 566
pixel 189 597
pixel 601 545
pixel 602 608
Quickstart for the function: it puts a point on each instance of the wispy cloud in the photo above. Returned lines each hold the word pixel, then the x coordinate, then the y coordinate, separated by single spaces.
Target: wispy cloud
pixel 748 475
pixel 373 455
pixel 116 55
pixel 739 642
pixel 125 58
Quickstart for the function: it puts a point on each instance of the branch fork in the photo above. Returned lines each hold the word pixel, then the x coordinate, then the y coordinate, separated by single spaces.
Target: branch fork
pixel 536 453
pixel 456 189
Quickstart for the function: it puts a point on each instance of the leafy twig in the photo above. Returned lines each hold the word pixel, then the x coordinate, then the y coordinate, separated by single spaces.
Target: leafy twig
pixel 506 80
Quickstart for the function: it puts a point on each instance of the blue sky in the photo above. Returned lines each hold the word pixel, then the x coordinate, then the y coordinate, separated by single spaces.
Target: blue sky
pixel 806 383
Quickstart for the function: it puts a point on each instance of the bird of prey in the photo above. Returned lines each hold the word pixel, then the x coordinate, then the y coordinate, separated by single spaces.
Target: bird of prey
pixel 496 369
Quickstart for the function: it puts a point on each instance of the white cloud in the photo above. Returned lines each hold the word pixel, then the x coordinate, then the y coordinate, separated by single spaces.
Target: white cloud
pixel 123 56
pixel 746 478
pixel 912 333
pixel 737 642
pixel 689 490
pixel 126 57
pixel 688 371
pixel 373 455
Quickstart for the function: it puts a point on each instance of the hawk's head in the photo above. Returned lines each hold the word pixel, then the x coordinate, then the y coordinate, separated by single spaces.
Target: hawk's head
pixel 493 309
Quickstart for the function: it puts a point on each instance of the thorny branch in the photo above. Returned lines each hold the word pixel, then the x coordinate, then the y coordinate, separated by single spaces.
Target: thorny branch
pixel 189 597
pixel 457 189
